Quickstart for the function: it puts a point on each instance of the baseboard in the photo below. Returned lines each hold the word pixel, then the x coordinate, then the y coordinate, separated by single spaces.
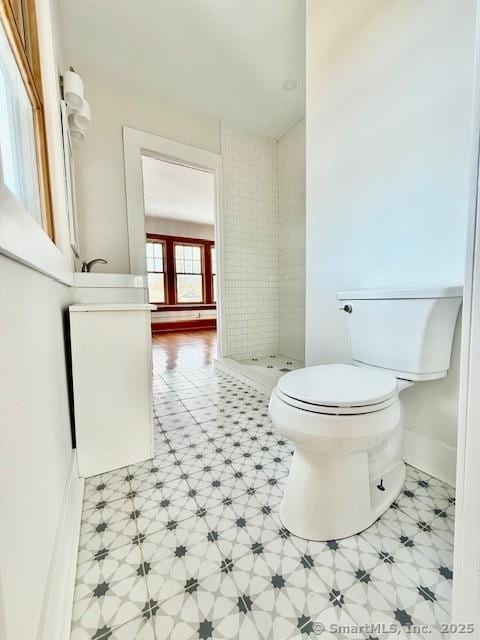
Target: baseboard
pixel 234 369
pixel 58 601
pixel 434 457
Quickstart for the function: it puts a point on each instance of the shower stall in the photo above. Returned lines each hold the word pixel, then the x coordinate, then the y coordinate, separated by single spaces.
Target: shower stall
pixel 263 270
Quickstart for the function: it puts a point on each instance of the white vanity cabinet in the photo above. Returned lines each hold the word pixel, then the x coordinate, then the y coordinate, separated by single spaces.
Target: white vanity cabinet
pixel 112 385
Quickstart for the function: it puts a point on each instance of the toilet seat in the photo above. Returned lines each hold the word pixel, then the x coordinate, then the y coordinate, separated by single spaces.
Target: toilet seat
pixel 338 389
pixel 332 410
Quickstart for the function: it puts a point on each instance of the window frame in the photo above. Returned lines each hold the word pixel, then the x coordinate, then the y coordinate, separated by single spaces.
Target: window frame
pixel 171 303
pixel 164 260
pixel 19 21
pixel 176 243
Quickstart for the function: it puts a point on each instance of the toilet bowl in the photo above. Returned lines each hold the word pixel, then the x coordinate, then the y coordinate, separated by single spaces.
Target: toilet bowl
pixel 346 420
pixel 331 492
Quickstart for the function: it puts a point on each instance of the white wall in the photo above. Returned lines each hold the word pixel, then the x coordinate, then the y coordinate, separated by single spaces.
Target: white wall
pixel 182 228
pixel 291 242
pixel 99 161
pixel 35 452
pixel 183 314
pixel 389 88
pixel 250 230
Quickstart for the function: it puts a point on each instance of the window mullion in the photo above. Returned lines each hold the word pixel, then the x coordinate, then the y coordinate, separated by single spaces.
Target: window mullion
pixel 170 271
pixel 207 276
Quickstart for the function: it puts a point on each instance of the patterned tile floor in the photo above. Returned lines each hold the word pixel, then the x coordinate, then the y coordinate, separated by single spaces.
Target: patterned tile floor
pixel 189 544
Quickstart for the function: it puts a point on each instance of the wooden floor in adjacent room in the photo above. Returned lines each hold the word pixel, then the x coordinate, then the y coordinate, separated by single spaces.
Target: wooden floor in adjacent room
pixel 183 348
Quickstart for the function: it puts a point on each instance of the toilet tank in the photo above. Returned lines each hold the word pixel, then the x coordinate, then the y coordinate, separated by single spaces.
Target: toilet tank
pixel 407 331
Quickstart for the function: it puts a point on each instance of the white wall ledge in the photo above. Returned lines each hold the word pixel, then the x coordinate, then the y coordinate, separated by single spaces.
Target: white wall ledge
pixel 23 240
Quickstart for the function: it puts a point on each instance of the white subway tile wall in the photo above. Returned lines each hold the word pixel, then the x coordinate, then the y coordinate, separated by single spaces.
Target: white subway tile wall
pixel 250 213
pixel 264 242
pixel 291 242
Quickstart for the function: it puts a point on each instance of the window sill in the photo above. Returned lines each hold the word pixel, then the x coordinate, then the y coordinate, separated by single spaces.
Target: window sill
pixel 183 307
pixel 22 239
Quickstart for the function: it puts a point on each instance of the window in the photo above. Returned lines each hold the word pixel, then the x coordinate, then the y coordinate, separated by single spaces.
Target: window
pixel 17 133
pixel 180 272
pixel 156 271
pixel 22 131
pixel 188 273
pixel 213 262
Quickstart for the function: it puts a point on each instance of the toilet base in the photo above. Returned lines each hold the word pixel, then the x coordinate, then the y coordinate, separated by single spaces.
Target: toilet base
pixel 331 495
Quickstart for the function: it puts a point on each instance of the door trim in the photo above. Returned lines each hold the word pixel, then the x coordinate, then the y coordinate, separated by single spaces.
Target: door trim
pixel 137 143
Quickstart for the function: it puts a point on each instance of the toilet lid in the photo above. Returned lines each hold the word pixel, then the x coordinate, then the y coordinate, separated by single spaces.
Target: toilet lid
pixel 338 385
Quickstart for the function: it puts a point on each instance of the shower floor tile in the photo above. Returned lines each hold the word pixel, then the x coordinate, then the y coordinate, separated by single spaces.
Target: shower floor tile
pixel 190 544
pixel 275 362
pixel 263 370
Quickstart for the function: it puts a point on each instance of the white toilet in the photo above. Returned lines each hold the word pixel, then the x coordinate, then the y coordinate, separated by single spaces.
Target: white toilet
pixel 346 421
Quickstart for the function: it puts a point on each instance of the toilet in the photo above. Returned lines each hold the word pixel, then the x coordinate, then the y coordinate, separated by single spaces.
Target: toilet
pixel 346 420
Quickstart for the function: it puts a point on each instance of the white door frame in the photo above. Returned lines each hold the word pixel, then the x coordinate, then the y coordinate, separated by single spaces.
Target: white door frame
pixel 466 579
pixel 137 143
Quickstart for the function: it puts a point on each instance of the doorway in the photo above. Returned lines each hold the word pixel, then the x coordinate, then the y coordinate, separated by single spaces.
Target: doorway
pixel 174 230
pixel 179 203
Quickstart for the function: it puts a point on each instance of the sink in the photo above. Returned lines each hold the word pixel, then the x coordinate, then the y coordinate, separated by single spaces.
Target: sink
pixel 124 280
pixel 106 288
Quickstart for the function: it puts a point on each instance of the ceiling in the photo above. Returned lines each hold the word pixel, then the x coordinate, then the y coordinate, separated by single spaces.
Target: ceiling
pixel 222 58
pixel 177 192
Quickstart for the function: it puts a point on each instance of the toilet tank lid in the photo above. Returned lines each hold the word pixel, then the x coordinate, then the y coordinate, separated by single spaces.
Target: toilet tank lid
pixel 448 291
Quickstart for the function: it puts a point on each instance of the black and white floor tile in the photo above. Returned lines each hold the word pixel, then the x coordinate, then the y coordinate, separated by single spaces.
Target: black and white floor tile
pixel 190 545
